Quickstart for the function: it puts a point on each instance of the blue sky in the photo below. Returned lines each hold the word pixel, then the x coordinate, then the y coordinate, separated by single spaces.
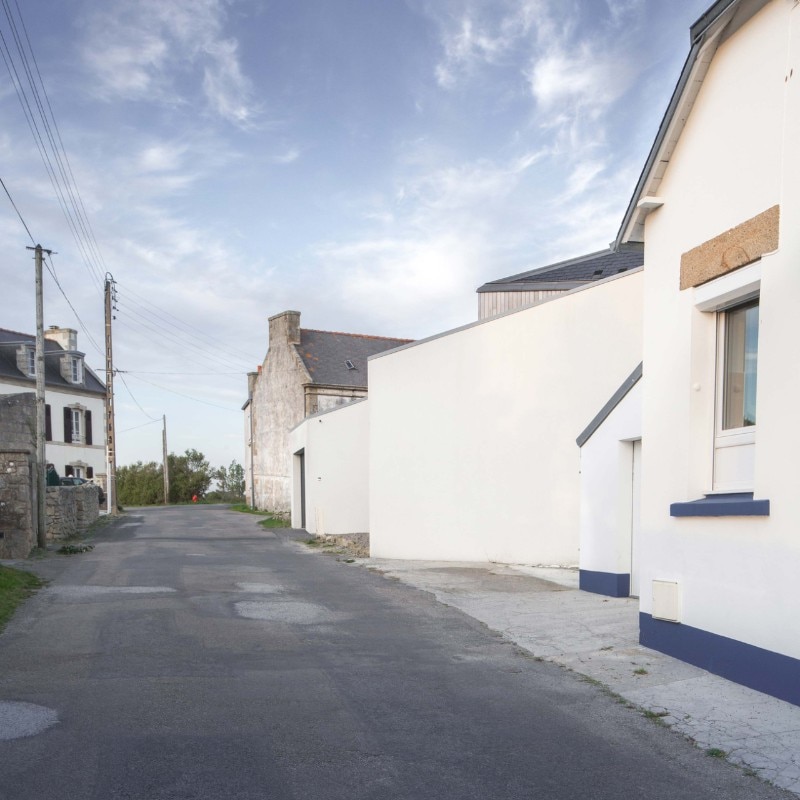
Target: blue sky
pixel 366 162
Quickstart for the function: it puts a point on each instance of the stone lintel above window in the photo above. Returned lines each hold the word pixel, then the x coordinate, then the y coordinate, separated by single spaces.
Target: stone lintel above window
pixel 732 249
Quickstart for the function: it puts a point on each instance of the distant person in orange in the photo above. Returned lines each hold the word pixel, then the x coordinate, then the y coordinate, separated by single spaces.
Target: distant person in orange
pixel 194 498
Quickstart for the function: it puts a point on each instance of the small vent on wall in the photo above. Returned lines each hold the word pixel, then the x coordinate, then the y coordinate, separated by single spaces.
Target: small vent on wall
pixel 349 364
pixel 666 601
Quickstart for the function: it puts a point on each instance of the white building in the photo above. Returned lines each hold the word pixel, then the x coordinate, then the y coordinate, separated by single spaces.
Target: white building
pixel 74 399
pixel 466 448
pixel 717 208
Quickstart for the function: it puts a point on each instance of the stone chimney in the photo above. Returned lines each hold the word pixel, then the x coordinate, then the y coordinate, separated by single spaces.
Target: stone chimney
pixel 285 327
pixel 66 337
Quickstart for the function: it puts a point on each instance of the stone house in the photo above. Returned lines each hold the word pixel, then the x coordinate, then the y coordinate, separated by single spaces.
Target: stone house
pixel 304 372
pixel 74 399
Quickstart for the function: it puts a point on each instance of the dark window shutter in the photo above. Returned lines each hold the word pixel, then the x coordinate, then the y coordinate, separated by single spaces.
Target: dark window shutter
pixel 48 426
pixel 87 423
pixel 68 470
pixel 67 424
pixel 90 472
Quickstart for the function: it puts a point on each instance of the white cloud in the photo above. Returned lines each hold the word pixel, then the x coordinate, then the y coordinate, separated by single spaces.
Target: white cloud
pixel 142 49
pixel 287 157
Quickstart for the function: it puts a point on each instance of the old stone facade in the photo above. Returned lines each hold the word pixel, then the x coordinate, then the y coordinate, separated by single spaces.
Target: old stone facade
pixel 305 371
pixel 17 475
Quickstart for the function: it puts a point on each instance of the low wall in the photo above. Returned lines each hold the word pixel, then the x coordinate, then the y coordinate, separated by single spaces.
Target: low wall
pixel 71 510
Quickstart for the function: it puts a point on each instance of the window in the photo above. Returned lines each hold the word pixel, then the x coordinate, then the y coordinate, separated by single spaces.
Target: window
pixel 77 420
pixel 740 367
pixel 48 425
pixel 76 371
pixel 31 363
pixel 74 420
pixel 737 372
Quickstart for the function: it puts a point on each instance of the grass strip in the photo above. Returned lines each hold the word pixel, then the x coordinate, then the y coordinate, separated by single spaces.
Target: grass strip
pixel 15 586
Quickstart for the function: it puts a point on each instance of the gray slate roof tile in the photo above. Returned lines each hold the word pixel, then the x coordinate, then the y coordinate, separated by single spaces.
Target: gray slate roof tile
pixel 326 353
pixel 576 271
pixel 10 341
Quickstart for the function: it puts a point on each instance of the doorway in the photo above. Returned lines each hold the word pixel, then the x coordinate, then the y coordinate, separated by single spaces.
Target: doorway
pixel 636 515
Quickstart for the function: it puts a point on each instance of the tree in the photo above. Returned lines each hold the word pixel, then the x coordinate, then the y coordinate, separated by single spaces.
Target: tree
pixel 189 475
pixel 230 482
pixel 140 484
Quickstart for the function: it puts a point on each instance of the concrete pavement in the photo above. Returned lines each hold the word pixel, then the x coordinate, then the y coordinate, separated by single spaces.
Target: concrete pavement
pixel 543 611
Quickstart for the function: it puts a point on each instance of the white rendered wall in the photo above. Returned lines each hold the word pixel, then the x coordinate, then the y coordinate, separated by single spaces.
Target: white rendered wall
pixel 60 453
pixel 606 483
pixel 336 445
pixel 737 157
pixel 472 434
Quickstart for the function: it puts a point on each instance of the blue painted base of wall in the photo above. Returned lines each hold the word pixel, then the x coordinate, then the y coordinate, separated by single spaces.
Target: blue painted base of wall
pixel 611 584
pixel 772 673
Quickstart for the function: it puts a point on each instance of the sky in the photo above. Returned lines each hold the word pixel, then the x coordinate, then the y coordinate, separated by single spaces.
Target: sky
pixel 368 163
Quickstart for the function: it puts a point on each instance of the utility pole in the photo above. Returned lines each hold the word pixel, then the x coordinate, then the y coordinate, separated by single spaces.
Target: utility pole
pixel 41 483
pixel 166 460
pixel 111 449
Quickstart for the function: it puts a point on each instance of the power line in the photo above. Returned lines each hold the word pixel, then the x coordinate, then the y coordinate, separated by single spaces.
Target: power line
pixel 24 224
pixel 188 396
pixel 139 405
pixel 136 427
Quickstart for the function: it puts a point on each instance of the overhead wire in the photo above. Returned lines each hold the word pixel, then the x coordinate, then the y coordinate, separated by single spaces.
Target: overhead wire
pixel 182 394
pixel 26 78
pixel 192 330
pixel 138 404
pixel 183 342
pixel 21 218
pixel 61 183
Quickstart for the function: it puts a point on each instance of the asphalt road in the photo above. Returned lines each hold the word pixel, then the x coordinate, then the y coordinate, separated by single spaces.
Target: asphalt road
pixel 193 655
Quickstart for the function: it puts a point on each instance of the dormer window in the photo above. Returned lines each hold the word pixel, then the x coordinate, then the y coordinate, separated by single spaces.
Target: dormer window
pixel 31 362
pixel 77 371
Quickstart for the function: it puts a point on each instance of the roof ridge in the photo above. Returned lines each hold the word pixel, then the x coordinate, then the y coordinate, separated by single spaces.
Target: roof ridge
pixel 18 333
pixel 359 335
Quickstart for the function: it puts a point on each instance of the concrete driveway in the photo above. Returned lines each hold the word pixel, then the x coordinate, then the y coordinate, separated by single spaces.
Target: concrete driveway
pixel 194 655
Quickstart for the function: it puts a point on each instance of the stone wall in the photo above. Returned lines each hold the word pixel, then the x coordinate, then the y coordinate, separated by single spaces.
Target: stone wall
pixel 17 475
pixel 71 510
pixel 17 504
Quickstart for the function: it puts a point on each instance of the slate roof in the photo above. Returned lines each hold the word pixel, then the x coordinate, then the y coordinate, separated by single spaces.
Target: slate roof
pixel 574 272
pixel 10 341
pixel 325 354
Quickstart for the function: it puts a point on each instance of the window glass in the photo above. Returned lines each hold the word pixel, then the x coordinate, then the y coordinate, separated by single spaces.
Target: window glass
pixel 76 370
pixel 741 367
pixel 31 362
pixel 76 425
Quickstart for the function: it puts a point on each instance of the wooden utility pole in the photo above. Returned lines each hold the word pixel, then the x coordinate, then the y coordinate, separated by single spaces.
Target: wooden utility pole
pixel 111 449
pixel 41 482
pixel 166 460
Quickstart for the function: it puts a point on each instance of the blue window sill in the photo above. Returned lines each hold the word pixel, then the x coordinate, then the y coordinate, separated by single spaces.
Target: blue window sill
pixel 736 504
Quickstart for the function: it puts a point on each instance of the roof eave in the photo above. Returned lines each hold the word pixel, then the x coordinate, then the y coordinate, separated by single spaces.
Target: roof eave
pixel 706 34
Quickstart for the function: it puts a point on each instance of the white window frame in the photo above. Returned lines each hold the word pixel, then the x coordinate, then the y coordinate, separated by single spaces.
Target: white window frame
pixel 31 354
pixel 77 371
pixel 718 296
pixel 77 426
